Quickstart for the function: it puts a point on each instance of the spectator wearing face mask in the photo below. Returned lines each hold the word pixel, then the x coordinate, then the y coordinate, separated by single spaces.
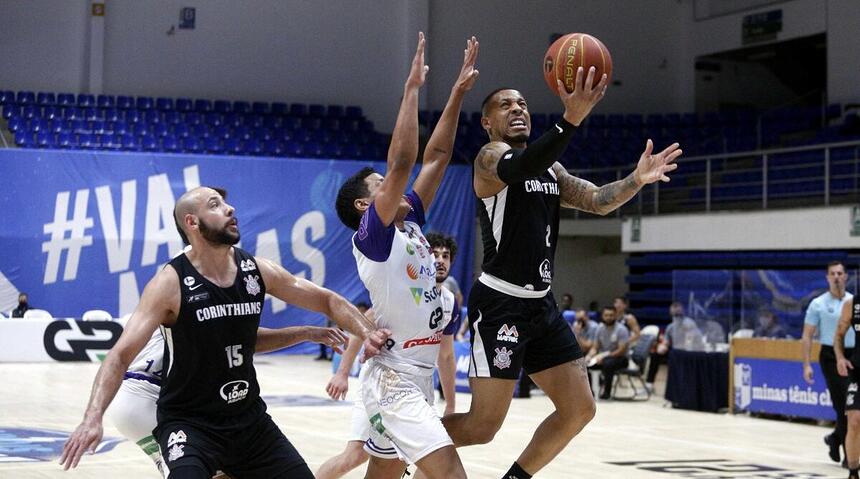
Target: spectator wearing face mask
pixel 23 306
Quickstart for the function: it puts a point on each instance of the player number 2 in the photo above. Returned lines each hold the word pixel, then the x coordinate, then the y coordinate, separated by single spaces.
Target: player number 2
pixel 234 357
pixel 548 232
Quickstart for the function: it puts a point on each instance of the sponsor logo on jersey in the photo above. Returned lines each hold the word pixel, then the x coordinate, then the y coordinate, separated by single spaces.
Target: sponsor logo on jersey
pixel 411 271
pixel 251 285
pixel 545 273
pixel 508 334
pixel 503 358
pixel 393 398
pixel 234 391
pixel 376 423
pixel 175 452
pixel 178 437
pixel 409 249
pixel 417 293
pixel 198 297
pixel 247 265
pixel 188 280
pixel 436 338
pixel 232 309
pixel 535 186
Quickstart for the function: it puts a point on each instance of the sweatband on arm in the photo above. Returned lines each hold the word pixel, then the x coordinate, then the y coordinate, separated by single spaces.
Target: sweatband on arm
pixel 518 164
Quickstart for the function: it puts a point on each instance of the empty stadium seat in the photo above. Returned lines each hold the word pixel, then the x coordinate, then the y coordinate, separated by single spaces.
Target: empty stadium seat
pixel 46 99
pixel 25 98
pixel 105 101
pixel 164 104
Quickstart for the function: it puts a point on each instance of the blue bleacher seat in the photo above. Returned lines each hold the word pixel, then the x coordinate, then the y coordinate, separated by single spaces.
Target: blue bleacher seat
pixel 274 148
pixel 352 150
pixel 335 111
pixel 199 131
pixel 16 124
pixel 86 100
pixel 111 114
pixel 262 134
pixel 140 129
pixel 124 102
pixel 164 104
pixel 65 140
pixel 192 144
pixel 232 146
pixel 149 143
pixel 24 139
pixel 46 99
pixel 65 99
pixel 280 109
pixel 254 147
pixel 97 126
pixel 90 113
pixel 202 105
pixel 294 149
pixel 112 142
pixel 243 133
pixel 132 116
pixel 273 122
pixel 160 130
pixel 254 121
pixel 214 118
pixel 243 107
pixel 56 125
pixel 332 150
pixel 45 139
pixel 171 117
pixel 258 108
pixel 25 98
pixel 170 144
pixel 213 145
pixel 222 106
pixel 29 112
pixel 192 118
pixel 7 97
pixel 151 116
pixel 144 103
pixel 131 143
pixel 181 130
pixel 51 112
pixel 88 141
pixel 119 127
pixel 184 105
pixel 76 125
pixel 106 101
pixel 221 132
pixel 11 110
pixel 298 109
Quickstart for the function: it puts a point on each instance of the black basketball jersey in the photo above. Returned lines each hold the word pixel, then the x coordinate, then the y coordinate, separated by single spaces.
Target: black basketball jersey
pixel 519 227
pixel 855 325
pixel 209 352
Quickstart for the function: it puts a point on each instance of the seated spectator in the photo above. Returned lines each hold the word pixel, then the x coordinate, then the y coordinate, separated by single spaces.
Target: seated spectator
pixel 769 327
pixel 682 333
pixel 585 329
pixel 627 318
pixel 713 331
pixel 609 351
pixel 22 308
pixel 566 302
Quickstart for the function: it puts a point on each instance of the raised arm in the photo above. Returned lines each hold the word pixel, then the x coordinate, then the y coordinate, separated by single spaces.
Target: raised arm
pixel 159 303
pixel 497 164
pixel 306 295
pixel 403 151
pixel 440 147
pixel 584 195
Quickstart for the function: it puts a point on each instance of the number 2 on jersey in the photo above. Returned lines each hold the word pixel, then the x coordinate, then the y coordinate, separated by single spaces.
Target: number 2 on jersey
pixel 234 357
pixel 548 232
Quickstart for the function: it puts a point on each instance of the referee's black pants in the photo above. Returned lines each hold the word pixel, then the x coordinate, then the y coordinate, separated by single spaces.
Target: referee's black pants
pixel 838 387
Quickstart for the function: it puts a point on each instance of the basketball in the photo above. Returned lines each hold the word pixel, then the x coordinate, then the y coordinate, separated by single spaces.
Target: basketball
pixel 570 52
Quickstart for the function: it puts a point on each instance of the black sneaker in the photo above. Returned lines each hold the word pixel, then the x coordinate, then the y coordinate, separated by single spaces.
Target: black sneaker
pixel 834 448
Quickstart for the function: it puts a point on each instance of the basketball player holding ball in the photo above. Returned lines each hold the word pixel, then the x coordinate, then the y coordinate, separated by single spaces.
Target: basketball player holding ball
pixel 514 320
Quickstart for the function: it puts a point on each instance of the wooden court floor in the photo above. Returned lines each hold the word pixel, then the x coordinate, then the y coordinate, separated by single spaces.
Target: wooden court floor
pixel 41 402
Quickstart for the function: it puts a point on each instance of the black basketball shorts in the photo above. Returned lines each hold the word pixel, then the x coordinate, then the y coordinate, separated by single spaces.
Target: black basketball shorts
pixel 511 333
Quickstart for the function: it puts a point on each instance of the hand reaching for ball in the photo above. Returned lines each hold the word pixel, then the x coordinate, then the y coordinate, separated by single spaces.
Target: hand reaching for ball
pixel 418 70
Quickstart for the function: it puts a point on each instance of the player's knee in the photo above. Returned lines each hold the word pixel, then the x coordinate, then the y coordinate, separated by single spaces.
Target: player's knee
pixel 854 421
pixel 484 432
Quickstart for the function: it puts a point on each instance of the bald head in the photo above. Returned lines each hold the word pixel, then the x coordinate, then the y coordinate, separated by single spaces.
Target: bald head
pixel 191 203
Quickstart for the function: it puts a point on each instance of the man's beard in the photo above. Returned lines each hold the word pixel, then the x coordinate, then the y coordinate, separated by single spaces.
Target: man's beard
pixel 218 237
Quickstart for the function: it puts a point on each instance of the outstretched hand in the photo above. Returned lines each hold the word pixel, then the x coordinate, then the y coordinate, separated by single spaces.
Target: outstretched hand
pixel 653 167
pixel 418 70
pixel 579 102
pixel 86 438
pixel 331 337
pixel 468 72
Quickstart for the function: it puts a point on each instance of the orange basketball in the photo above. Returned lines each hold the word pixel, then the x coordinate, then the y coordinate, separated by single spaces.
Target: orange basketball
pixel 570 52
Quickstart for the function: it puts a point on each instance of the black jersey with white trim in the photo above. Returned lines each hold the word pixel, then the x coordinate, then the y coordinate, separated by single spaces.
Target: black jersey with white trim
pixel 519 228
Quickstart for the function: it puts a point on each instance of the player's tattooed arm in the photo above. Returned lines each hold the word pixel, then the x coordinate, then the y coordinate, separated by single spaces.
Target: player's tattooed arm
pixel 586 196
pixel 487 182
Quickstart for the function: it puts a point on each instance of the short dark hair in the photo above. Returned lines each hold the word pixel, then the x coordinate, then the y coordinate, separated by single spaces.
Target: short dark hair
pixel 607 308
pixel 352 189
pixel 219 190
pixel 362 304
pixel 437 239
pixel 835 263
pixel 623 300
pixel 489 97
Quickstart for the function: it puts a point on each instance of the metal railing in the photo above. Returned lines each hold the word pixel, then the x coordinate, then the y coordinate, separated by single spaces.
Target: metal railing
pixel 815 175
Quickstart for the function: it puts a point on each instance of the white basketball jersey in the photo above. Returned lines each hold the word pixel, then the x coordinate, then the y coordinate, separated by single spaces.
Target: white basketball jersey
pixel 148 362
pixel 406 300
